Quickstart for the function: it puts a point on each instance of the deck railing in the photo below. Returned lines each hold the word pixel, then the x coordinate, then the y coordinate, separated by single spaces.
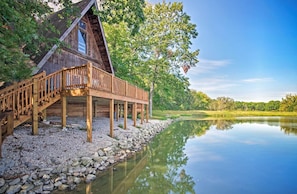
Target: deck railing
pixel 19 97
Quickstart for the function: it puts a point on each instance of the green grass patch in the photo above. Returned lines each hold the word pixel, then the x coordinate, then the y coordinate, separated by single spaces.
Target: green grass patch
pixel 164 114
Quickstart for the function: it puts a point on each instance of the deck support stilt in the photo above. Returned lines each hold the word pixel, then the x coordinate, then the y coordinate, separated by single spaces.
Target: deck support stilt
pixel 147 113
pixel 35 107
pixel 89 118
pixel 89 103
pixel 134 114
pixel 111 116
pixel 64 110
pixel 142 113
pixel 125 114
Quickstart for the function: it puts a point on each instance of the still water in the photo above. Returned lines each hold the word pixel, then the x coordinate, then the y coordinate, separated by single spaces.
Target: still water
pixel 247 155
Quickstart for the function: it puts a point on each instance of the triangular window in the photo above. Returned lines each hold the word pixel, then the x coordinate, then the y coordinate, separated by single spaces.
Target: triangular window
pixel 82 37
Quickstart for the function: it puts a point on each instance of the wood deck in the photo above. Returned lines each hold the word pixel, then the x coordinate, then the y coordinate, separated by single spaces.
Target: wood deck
pixel 27 99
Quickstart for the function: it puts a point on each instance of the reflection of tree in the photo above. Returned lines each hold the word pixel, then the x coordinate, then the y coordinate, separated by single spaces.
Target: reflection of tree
pixel 289 125
pixel 222 124
pixel 164 172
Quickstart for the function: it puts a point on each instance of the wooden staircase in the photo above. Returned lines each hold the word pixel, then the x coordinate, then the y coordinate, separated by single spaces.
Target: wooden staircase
pixel 18 101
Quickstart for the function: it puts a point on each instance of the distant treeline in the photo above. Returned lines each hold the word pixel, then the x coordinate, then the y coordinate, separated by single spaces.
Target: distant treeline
pixel 200 101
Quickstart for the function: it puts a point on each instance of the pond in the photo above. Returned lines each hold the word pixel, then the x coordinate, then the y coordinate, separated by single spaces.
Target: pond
pixel 246 155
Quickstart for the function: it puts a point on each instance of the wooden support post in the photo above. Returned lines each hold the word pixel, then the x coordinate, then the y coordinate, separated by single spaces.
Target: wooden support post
pixel 111 116
pixel 63 99
pixel 35 107
pixel 44 114
pixel 142 114
pixel 135 114
pixel 89 103
pixel 89 118
pixel 64 111
pixel 125 114
pixel 10 123
pixel 117 111
pixel 147 113
pixel 95 109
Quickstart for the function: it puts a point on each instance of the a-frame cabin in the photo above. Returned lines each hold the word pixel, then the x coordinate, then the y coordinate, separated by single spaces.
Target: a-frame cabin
pixel 76 79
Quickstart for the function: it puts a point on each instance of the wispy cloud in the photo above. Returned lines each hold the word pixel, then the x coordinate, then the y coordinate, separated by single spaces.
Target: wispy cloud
pixel 257 80
pixel 213 84
pixel 206 65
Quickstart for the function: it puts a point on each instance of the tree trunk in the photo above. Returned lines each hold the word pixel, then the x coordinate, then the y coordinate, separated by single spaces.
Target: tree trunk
pixel 151 98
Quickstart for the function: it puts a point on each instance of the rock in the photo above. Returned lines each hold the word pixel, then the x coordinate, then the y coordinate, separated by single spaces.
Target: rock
pixel 13 189
pixel 63 187
pixel 27 187
pixel 48 187
pixel 75 163
pixel 2 182
pixel 4 188
pixel 76 180
pixel 37 189
pixel 25 178
pixel 58 183
pixel 15 181
pixel 101 153
pixel 86 161
pixel 90 178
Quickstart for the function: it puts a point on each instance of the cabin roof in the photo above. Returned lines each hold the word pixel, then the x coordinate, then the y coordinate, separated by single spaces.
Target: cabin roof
pixel 83 7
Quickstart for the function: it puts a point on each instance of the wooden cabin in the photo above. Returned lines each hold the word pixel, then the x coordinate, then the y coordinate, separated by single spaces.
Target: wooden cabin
pixel 76 79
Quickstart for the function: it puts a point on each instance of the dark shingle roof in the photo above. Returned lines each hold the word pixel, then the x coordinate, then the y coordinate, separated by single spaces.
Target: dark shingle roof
pixel 60 22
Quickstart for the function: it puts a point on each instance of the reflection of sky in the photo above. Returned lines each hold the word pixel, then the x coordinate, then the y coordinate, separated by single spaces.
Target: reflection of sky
pixel 250 158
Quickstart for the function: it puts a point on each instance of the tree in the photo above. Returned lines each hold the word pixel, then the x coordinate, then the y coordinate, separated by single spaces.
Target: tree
pixel 21 35
pixel 289 103
pixel 200 100
pixel 127 11
pixel 164 41
pixel 272 105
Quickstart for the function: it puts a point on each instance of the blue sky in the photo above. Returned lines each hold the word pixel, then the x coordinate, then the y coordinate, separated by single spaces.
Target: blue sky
pixel 248 48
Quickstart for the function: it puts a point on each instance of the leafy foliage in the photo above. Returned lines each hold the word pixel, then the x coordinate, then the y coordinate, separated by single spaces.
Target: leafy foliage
pixel 127 11
pixel 21 35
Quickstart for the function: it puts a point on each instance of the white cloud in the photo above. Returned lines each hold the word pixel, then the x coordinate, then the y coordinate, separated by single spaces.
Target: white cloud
pixel 257 80
pixel 206 65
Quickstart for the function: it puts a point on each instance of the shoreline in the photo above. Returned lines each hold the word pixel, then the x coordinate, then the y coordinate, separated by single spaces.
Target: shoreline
pixel 60 159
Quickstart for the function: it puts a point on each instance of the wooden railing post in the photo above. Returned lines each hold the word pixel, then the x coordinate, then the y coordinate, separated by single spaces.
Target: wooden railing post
pixel 90 74
pixel 35 107
pixel 126 88
pixel 112 83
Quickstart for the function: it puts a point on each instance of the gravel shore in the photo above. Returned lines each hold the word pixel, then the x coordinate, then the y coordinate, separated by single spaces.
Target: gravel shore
pixel 62 158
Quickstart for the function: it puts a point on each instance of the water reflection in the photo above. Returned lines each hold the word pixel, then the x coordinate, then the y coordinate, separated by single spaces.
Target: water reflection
pixel 161 167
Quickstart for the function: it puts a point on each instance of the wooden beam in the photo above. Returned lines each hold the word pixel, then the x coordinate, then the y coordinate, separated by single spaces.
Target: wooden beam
pixel 89 118
pixel 125 114
pixel 142 114
pixel 117 112
pixel 134 114
pixel 63 110
pixel 147 113
pixel 111 116
pixel 35 107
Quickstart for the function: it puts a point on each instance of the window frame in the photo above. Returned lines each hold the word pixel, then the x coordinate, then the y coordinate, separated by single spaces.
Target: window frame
pixel 82 47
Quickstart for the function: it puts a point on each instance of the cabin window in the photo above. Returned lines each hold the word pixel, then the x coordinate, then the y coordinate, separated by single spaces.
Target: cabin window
pixel 82 37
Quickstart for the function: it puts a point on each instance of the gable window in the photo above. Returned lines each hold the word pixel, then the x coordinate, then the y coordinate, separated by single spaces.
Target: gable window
pixel 82 37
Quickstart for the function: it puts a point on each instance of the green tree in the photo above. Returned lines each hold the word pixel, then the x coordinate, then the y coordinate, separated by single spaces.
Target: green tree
pixel 23 23
pixel 128 11
pixel 164 42
pixel 200 100
pixel 272 105
pixel 289 103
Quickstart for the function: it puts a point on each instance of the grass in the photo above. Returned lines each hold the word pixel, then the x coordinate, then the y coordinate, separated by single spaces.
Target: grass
pixel 159 114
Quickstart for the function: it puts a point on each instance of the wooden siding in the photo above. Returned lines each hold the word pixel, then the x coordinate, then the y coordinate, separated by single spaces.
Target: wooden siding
pixel 69 56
